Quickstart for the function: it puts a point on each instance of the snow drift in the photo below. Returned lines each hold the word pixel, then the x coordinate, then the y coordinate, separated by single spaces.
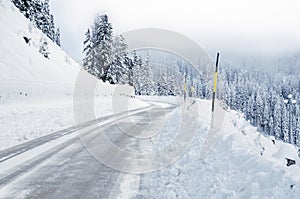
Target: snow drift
pixel 243 164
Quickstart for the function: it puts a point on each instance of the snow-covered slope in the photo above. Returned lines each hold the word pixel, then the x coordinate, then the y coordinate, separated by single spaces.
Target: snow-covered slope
pixel 36 93
pixel 24 72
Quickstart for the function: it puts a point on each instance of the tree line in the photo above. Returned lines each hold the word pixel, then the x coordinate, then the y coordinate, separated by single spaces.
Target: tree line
pixel 107 57
pixel 263 98
pixel 260 95
pixel 38 12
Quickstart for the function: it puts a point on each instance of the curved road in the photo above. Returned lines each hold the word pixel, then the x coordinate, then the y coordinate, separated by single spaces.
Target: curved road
pixel 59 166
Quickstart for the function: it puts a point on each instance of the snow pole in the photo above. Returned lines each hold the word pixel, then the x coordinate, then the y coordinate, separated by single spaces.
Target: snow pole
pixel 214 89
pixel 184 88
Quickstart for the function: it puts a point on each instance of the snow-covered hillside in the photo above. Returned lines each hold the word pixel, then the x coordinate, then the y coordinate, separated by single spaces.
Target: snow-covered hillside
pixel 26 73
pixel 36 93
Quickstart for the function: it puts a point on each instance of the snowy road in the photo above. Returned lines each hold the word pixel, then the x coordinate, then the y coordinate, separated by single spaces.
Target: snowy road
pixel 59 166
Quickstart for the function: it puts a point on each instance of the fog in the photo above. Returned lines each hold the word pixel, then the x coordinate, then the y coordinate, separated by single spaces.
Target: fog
pixel 241 30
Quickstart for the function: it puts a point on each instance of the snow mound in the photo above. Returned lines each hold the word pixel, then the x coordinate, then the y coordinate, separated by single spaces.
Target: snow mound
pixel 243 164
pixel 286 151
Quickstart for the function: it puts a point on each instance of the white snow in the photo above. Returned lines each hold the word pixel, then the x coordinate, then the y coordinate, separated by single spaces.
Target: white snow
pixel 36 94
pixel 243 164
pixel 286 151
pixel 36 99
pixel 129 186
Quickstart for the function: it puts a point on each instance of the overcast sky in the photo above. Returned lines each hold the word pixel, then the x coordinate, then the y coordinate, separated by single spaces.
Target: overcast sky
pixel 235 27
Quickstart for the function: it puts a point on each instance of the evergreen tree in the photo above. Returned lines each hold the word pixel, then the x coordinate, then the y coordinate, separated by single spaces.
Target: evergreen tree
pixel 102 44
pixel 129 65
pixel 25 6
pixel 57 37
pixel 38 15
pixel 89 61
pixel 51 30
pixel 297 131
pixel 38 12
pixel 147 87
pixel 18 3
pixel 118 70
pixel 44 50
pixel 136 73
pixel 284 124
pixel 45 20
pixel 277 121
pixel 266 118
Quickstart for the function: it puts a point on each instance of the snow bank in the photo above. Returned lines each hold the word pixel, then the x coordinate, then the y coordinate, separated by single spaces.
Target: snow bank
pixel 36 93
pixel 243 164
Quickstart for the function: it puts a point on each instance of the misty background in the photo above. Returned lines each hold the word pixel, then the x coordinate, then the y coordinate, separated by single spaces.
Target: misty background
pixel 246 32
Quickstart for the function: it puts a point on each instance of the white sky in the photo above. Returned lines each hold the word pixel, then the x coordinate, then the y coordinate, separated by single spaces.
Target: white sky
pixel 236 27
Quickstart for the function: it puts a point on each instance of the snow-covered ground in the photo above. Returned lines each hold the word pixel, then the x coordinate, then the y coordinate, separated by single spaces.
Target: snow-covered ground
pixel 243 164
pixel 36 99
pixel 23 122
pixel 36 94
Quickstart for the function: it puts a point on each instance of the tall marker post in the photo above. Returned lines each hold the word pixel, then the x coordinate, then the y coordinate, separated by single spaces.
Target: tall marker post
pixel 214 89
pixel 184 89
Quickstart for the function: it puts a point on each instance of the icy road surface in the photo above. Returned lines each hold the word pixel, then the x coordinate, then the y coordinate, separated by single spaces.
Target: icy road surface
pixel 243 163
pixel 59 166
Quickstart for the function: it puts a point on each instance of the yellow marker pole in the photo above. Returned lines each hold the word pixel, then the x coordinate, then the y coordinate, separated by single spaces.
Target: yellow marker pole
pixel 215 88
pixel 192 91
pixel 215 81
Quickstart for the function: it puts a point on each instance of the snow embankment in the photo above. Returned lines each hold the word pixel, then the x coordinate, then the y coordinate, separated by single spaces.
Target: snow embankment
pixel 243 164
pixel 36 93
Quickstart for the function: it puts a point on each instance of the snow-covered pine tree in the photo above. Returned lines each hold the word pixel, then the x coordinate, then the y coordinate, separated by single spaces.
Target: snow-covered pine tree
pixel 284 124
pixel 46 19
pixel 89 62
pixel 102 43
pixel 25 6
pixel 146 74
pixel 51 30
pixel 164 85
pixel 136 73
pixel 118 70
pixel 251 112
pixel 39 12
pixel 297 130
pixel 17 3
pixel 277 120
pixel 113 72
pixel 57 37
pixel 294 123
pixel 266 118
pixel 271 127
pixel 43 49
pixel 128 62
pixel 232 99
